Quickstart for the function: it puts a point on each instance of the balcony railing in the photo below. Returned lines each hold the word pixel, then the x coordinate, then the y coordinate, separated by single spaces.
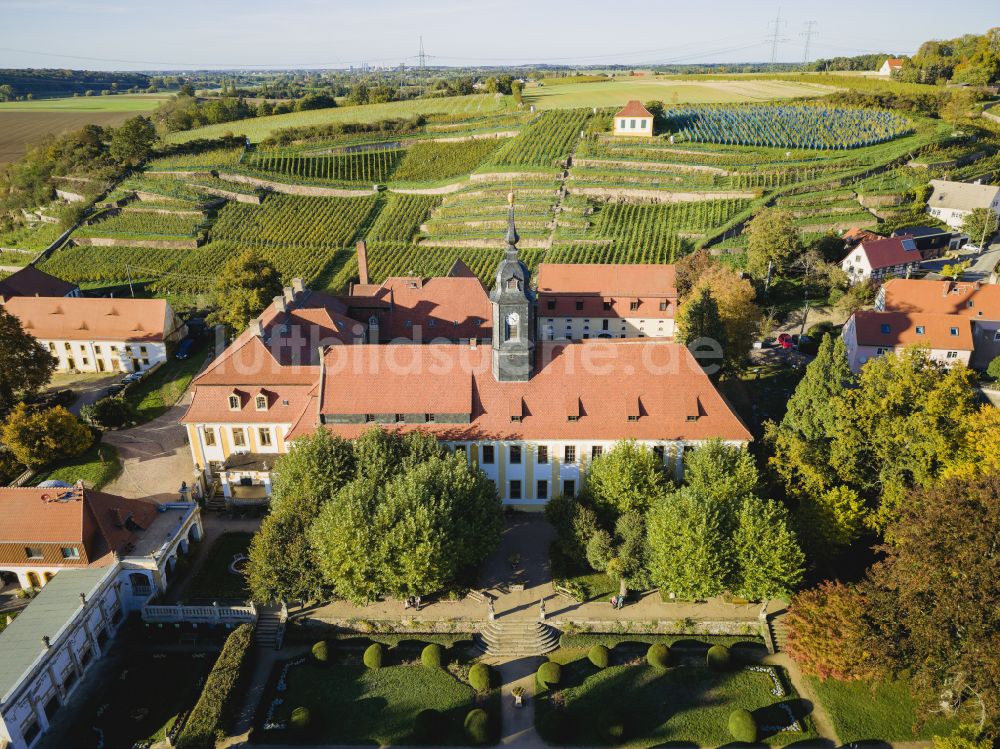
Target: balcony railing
pixel 199 614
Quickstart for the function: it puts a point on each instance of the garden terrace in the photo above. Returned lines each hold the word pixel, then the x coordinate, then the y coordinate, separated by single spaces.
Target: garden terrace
pixel 352 704
pixel 635 704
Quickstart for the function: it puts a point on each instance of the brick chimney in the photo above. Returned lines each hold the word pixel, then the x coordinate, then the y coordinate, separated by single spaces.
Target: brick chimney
pixel 256 327
pixel 362 262
pixel 279 303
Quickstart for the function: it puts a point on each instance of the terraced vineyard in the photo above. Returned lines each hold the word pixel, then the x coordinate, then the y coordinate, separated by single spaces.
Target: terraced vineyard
pixel 546 142
pixel 292 221
pixel 373 166
pixel 401 217
pixel 135 223
pixel 210 159
pixel 436 160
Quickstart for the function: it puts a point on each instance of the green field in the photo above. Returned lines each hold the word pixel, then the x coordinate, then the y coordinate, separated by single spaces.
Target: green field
pixel 117 103
pixel 257 129
pixel 616 93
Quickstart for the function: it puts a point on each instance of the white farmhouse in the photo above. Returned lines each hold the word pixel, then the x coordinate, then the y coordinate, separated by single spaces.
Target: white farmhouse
pixel 890 65
pixel 878 259
pixel 869 334
pixel 100 335
pixel 633 119
pixel 951 202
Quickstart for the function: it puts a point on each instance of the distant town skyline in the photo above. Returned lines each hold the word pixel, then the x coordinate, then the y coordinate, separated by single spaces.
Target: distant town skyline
pixel 253 34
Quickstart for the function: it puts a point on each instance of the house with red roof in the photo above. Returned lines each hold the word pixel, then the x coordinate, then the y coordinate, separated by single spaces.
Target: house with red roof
pixel 29 281
pixel 530 412
pixel 882 258
pixel 633 119
pixel 869 334
pixel 890 66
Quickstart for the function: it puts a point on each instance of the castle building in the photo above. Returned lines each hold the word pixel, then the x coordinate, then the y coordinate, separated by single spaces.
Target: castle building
pixel 530 413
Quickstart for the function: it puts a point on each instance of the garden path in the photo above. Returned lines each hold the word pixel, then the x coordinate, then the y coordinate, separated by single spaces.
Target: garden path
pixel 518 723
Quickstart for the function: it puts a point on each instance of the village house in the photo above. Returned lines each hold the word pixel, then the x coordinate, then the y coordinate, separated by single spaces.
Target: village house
pixel 868 334
pixel 879 259
pixel 633 119
pixel 29 281
pixel 931 241
pixel 890 66
pixel 975 301
pixel 581 301
pixel 96 558
pixel 100 335
pixel 530 413
pixel 951 202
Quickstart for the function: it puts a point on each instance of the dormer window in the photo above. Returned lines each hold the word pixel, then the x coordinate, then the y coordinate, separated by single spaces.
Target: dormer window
pixel 692 417
pixel 634 305
pixel 261 402
pixel 954 331
pixel 234 402
pixel 920 330
pixel 579 304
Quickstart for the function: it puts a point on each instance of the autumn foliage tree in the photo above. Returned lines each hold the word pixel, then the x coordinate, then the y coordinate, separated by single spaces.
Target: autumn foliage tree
pixel 38 437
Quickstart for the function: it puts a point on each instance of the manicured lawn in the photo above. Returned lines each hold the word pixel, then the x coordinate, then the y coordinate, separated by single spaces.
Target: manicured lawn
pixel 351 704
pixel 686 702
pixel 152 396
pixel 886 711
pixel 214 581
pixel 140 700
pixel 97 467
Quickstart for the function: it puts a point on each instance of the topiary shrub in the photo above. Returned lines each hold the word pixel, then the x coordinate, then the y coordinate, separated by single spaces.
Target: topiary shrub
pixel 428 727
pixel 658 655
pixel 599 656
pixel 719 658
pixel 549 674
pixel 477 726
pixel 432 656
pixel 374 656
pixel 742 726
pixel 993 370
pixel 301 720
pixel 479 677
pixel 321 652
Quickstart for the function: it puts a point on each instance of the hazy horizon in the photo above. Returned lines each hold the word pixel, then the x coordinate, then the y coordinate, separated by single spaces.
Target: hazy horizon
pixel 253 34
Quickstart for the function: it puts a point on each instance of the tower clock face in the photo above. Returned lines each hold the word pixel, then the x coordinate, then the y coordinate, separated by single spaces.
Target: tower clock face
pixel 513 318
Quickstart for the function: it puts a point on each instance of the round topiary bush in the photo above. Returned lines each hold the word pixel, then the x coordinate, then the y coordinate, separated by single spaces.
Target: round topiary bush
pixel 432 656
pixel 374 656
pixel 301 719
pixel 477 726
pixel 599 656
pixel 479 677
pixel 428 727
pixel 719 658
pixel 549 674
pixel 742 726
pixel 658 655
pixel 321 652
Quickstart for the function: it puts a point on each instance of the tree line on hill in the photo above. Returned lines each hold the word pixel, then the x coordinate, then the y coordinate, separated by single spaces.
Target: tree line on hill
pixel 971 58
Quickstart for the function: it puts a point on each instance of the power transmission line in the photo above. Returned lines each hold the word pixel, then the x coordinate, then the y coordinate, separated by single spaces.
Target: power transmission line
pixel 808 34
pixel 422 56
pixel 776 36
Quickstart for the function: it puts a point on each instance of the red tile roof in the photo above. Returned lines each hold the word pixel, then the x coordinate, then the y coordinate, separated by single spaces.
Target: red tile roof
pixel 885 253
pixel 594 285
pixel 29 281
pixel 83 319
pixel 606 380
pixel 633 109
pixel 856 234
pixel 906 328
pixel 974 300
pixel 285 403
pixel 72 516
pixel 895 63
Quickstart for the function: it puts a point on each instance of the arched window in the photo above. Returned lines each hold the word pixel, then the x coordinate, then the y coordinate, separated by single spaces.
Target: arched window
pixel 33 581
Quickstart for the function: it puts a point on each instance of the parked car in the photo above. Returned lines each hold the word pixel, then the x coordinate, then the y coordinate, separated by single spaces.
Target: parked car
pixel 115 389
pixel 132 377
pixel 184 348
pixel 785 341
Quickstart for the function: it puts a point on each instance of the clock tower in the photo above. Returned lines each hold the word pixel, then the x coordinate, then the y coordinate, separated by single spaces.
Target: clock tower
pixel 513 313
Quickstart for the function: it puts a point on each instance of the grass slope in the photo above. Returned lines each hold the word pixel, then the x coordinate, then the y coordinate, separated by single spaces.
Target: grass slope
pixel 96 467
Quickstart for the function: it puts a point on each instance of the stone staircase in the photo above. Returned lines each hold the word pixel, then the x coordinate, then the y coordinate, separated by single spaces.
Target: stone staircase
pixel 268 633
pixel 779 632
pixel 512 638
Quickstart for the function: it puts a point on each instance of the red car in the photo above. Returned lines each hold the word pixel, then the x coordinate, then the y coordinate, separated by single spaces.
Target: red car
pixel 785 340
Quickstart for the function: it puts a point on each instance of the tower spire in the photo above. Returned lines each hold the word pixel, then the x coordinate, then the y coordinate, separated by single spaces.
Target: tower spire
pixel 512 236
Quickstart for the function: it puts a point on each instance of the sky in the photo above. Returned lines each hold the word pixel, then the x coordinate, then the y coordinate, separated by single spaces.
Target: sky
pixel 265 34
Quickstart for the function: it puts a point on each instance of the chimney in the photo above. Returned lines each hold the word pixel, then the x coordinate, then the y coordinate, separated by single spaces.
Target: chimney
pixel 256 327
pixel 299 286
pixel 289 294
pixel 279 304
pixel 46 642
pixel 362 262
pixel 83 599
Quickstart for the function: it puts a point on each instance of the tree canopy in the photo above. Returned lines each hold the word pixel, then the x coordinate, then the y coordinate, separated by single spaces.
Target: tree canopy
pixel 627 478
pixel 772 237
pixel 37 437
pixel 247 284
pixel 25 365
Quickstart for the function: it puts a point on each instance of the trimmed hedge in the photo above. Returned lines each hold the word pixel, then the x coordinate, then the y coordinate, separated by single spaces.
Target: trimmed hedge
pixel 658 655
pixel 479 677
pixel 321 652
pixel 374 655
pixel 549 674
pixel 742 726
pixel 477 726
pixel 719 658
pixel 432 656
pixel 599 656
pixel 205 719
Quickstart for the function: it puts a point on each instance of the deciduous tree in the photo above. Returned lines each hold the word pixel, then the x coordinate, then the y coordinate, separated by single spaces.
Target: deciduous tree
pixel 772 237
pixel 768 559
pixel 247 284
pixel 25 365
pixel 738 311
pixel 628 478
pixel 621 555
pixel 699 321
pixel 980 223
pixel 39 437
pixel 132 141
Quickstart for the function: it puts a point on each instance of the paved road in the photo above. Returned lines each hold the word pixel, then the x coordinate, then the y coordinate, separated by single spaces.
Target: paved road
pixel 89 387
pixel 982 266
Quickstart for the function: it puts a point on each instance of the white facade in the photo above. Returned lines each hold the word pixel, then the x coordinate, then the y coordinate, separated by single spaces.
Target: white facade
pixel 858 269
pixel 858 354
pixel 105 356
pixel 951 202
pixel 633 126
pixel 581 328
